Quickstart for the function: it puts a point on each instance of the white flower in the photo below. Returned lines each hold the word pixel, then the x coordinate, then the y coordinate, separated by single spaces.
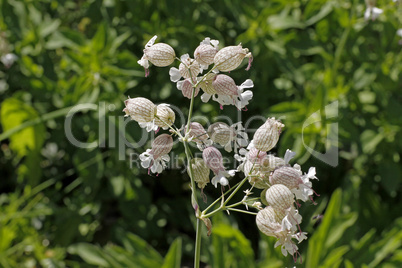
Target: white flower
pixel 8 59
pixel 208 41
pixel 304 191
pixel 372 12
pixel 240 100
pixel 154 165
pixel 149 126
pixel 399 32
pixel 221 177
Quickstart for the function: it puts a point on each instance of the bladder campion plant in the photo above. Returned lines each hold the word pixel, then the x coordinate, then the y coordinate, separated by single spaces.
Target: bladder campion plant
pixel 283 185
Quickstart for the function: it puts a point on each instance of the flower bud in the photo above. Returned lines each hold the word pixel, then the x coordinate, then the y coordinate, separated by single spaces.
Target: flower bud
pixel 268 221
pixel 229 58
pixel 267 135
pixel 186 88
pixel 188 66
pixel 270 162
pixel 287 176
pixel 200 172
pixel 140 109
pixel 255 177
pixel 224 85
pixel 279 196
pixel 164 114
pixel 197 132
pixel 160 54
pixel 221 133
pixel 205 54
pixel 206 84
pixel 162 145
pixel 213 159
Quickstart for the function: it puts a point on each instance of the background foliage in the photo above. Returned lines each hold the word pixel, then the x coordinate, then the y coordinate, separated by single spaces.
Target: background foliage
pixel 66 206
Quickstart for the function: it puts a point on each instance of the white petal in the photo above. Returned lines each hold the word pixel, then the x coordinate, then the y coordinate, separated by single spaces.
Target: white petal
pixel 174 74
pixel 399 32
pixel 184 57
pixel 247 84
pixel 205 97
pixel 143 62
pixel 288 156
pixel 215 43
pixel 151 42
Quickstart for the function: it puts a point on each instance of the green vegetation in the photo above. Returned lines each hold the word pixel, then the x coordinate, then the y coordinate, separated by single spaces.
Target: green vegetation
pixel 65 206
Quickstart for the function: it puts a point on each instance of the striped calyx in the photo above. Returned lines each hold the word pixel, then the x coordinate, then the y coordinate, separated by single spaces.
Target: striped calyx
pixel 140 109
pixel 186 88
pixel 225 85
pixel 269 221
pixel 267 135
pixel 213 159
pixel 279 197
pixel 229 58
pixel 188 66
pixel 160 54
pixel 287 176
pixel 206 84
pixel 270 162
pixel 200 172
pixel 162 145
pixel 221 133
pixel 165 116
pixel 255 177
pixel 197 132
pixel 205 54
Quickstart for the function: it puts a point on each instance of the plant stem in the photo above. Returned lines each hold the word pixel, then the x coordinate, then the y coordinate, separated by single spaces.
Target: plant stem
pixel 197 251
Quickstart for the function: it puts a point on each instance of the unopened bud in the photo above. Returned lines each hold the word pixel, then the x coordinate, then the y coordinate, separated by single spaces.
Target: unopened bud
pixel 140 109
pixel 268 221
pixel 270 162
pixel 200 172
pixel 162 145
pixel 225 85
pixel 267 136
pixel 287 176
pixel 188 66
pixel 160 54
pixel 197 132
pixel 279 196
pixel 165 116
pixel 213 159
pixel 205 54
pixel 229 58
pixel 206 84
pixel 186 88
pixel 221 133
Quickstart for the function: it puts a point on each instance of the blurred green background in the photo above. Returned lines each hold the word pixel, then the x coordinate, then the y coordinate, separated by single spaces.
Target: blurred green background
pixel 64 206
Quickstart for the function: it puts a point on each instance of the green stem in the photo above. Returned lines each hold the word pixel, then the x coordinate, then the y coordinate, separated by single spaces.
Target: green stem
pixel 242 211
pixel 197 251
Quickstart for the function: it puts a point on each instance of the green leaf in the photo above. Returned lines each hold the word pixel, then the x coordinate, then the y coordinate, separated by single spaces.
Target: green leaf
pixel 89 253
pixel 173 257
pixel 316 249
pixel 14 113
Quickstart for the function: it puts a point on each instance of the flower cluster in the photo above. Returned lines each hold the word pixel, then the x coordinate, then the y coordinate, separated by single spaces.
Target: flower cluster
pixel 283 186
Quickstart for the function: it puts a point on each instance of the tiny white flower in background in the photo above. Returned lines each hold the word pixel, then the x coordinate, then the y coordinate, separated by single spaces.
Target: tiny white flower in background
pixel 372 11
pixel 399 32
pixel 8 59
